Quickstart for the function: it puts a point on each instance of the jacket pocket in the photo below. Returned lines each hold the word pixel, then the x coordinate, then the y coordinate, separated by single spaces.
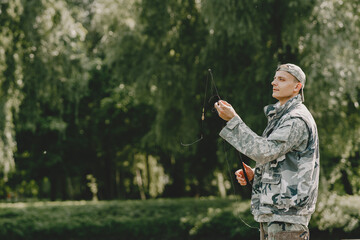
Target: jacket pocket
pixel 270 190
pixel 277 192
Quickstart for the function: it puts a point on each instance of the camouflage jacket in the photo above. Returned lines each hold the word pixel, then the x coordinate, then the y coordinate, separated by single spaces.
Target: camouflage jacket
pixel 287 162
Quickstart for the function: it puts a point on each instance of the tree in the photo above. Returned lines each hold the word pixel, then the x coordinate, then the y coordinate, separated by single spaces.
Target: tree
pixel 330 53
pixel 111 89
pixel 54 70
pixel 11 80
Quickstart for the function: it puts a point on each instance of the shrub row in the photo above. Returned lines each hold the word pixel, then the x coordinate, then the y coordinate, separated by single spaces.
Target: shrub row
pixel 210 218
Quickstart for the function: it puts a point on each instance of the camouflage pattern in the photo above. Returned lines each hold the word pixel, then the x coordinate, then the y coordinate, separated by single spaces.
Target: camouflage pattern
pixel 286 231
pixel 287 162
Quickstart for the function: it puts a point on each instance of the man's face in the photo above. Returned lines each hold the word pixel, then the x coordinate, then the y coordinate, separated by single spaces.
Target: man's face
pixel 285 86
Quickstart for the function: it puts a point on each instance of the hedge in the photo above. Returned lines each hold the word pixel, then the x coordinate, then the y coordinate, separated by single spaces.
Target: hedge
pixel 204 218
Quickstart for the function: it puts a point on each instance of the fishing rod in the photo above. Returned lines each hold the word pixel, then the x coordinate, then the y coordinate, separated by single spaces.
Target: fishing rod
pixel 202 137
pixel 202 123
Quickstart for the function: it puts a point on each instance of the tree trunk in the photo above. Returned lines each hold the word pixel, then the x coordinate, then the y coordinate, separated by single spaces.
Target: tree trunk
pixel 108 188
pixel 140 184
pixel 177 189
pixel 345 181
pixel 117 183
pixel 147 165
pixel 221 185
pixel 53 188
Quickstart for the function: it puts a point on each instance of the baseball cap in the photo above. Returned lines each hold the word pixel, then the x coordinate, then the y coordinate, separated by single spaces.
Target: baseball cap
pixel 297 72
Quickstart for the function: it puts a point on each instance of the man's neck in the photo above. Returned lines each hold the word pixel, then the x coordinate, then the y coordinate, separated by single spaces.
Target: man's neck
pixel 285 100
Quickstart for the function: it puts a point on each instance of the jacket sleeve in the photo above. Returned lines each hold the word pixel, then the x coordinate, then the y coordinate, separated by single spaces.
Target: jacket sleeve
pixel 291 135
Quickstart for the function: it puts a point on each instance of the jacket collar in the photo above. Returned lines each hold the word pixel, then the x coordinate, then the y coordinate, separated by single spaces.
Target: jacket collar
pixel 276 110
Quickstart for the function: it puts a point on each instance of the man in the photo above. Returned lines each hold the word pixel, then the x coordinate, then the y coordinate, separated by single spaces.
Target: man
pixel 286 175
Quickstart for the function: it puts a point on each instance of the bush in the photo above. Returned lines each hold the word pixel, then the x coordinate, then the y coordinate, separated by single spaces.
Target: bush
pixel 209 218
pixel 337 216
pixel 151 219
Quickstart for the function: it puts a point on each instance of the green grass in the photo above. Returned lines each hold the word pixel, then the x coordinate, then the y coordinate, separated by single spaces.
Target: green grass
pixel 207 218
pixel 151 219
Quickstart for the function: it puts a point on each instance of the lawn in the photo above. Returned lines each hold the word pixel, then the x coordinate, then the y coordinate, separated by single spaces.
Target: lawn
pixel 186 218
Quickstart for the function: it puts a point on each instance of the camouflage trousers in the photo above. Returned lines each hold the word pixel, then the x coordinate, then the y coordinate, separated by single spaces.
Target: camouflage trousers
pixel 283 231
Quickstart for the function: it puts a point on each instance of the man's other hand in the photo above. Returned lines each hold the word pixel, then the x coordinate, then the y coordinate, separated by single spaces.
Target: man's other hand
pixel 240 175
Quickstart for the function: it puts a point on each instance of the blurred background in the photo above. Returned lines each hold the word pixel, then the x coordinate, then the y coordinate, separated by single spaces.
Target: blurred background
pixel 97 95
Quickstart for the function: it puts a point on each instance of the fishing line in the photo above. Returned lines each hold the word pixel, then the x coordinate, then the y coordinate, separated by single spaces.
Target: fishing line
pixel 237 199
pixel 202 119
pixel 213 86
pixel 203 108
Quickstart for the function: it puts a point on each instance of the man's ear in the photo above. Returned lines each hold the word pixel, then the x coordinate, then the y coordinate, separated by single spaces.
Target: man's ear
pixel 298 87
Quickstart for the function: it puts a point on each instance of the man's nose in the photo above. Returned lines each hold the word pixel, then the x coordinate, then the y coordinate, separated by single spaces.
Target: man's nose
pixel 273 82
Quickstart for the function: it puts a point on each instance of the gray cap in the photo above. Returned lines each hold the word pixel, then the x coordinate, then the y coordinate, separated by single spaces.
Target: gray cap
pixel 297 73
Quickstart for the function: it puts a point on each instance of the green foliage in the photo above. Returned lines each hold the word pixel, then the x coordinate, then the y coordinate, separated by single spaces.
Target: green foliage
pixel 86 87
pixel 153 219
pixel 338 212
pixel 161 219
pixel 330 52
pixel 11 80
pixel 330 55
